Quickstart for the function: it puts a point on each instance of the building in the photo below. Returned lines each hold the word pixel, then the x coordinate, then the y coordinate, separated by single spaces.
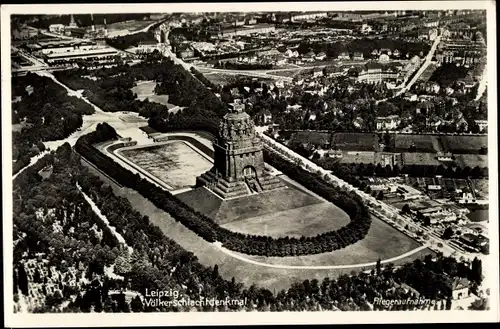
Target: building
pixel 309 56
pixel 56 28
pixel 388 123
pixel 186 52
pixel 483 125
pixel 267 117
pixel 445 156
pixel 408 192
pixel 432 187
pixel 308 16
pixel 95 53
pixel 238 160
pixel 241 30
pixel 250 20
pixel 147 46
pixel 321 56
pixel 358 56
pixel 460 288
pixel 373 72
pixel 343 56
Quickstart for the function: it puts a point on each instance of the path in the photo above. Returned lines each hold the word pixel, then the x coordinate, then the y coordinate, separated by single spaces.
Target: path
pixel 98 212
pixel 421 70
pixel 383 210
pixel 315 267
pixel 33 160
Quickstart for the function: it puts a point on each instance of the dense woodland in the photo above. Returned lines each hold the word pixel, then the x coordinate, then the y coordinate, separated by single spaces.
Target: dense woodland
pixel 366 46
pixel 159 263
pixel 130 40
pixel 111 92
pixel 46 113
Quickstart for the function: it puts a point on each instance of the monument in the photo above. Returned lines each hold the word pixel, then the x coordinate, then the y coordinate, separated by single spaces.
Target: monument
pixel 238 161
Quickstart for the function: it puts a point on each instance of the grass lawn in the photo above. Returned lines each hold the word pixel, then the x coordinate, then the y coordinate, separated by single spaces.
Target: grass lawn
pixel 313 137
pixel 471 160
pixel 220 78
pixel 382 241
pixel 358 157
pixel 304 221
pixel 288 73
pixel 250 208
pixel 145 90
pixel 354 141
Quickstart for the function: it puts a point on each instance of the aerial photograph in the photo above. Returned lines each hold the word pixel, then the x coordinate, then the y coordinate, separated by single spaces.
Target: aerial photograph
pixel 275 161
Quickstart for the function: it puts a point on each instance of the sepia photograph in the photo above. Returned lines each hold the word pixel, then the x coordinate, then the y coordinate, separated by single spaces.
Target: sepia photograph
pixel 289 159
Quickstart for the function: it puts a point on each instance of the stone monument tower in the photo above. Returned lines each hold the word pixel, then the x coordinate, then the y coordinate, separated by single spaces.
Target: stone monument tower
pixel 238 163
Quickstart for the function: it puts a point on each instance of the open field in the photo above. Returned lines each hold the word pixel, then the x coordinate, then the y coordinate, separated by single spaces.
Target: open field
pixel 358 157
pixel 354 141
pixel 251 208
pixel 175 163
pixel 220 79
pixel 471 160
pixel 304 221
pixel 271 278
pixel 122 28
pixel 145 89
pixel 464 144
pixel 289 73
pixel 313 137
pixel 422 143
pixel 420 159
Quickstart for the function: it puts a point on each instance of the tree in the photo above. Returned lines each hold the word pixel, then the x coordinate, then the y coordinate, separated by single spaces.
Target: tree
pixel 379 267
pixel 23 280
pixel 427 221
pixel 380 195
pixel 215 272
pixel 476 273
pixel 136 304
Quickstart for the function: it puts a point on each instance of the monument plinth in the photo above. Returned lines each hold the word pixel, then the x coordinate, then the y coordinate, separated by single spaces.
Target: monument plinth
pixel 238 161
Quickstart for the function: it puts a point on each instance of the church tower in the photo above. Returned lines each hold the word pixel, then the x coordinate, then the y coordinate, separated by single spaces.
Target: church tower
pixel 238 160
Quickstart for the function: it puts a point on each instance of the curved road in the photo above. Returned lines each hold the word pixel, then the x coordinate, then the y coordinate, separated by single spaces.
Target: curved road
pixel 314 267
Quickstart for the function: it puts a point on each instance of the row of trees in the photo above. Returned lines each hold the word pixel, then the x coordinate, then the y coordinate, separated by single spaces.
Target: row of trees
pixel 370 169
pixel 249 244
pixel 52 220
pixel 47 113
